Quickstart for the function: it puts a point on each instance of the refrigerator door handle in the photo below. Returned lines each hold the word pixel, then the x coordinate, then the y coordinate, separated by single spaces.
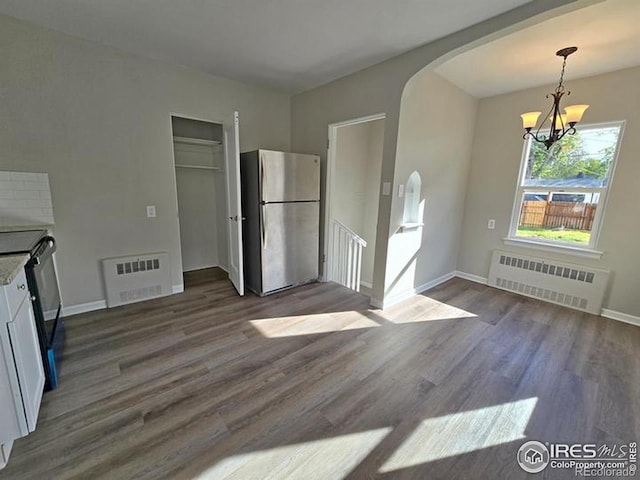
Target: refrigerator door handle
pixel 263 228
pixel 261 178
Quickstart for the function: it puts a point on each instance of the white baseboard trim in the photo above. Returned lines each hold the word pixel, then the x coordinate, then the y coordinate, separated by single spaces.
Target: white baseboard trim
pixel 366 284
pixel 70 310
pixel 621 317
pixel 397 298
pixel 472 277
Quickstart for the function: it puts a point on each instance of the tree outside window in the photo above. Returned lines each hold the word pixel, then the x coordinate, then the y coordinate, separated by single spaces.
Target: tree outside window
pixel 562 191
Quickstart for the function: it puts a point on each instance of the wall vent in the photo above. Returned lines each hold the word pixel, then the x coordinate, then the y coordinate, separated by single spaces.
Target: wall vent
pixel 136 278
pixel 574 286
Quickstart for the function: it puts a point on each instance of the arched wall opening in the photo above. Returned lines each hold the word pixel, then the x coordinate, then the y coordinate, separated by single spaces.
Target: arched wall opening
pixel 380 88
pixel 468 199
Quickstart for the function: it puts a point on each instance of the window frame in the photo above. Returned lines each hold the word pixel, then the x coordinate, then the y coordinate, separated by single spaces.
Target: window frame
pixel 600 210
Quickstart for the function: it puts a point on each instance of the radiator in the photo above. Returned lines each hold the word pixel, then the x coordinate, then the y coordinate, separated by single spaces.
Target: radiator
pixel 136 278
pixel 574 286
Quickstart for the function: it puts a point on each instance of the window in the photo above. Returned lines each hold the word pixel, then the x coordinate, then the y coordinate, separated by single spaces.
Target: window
pixel 561 193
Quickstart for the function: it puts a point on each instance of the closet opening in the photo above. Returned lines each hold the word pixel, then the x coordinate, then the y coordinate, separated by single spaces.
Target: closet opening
pixel 199 162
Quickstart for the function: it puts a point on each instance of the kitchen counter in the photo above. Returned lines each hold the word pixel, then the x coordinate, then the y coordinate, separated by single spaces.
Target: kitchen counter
pixel 10 266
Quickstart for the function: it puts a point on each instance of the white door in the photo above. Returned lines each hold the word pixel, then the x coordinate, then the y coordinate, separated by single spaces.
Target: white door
pixel 234 209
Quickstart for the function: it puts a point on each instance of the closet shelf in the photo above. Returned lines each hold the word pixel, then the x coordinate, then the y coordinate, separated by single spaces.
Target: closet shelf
pixel 199 167
pixel 407 226
pixel 196 141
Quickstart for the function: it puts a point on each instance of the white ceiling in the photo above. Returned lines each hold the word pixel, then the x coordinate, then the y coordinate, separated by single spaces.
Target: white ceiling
pixel 291 45
pixel 607 36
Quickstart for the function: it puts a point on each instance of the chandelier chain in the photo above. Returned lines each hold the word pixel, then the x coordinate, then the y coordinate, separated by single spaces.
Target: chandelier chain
pixel 560 87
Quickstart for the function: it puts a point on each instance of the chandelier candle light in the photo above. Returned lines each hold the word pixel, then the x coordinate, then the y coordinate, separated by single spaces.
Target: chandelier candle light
pixel 561 123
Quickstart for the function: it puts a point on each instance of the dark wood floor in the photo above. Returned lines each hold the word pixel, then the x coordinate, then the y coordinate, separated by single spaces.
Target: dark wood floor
pixel 311 384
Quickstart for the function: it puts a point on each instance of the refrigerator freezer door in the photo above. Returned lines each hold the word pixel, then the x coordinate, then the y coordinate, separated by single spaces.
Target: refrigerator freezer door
pixel 289 177
pixel 289 244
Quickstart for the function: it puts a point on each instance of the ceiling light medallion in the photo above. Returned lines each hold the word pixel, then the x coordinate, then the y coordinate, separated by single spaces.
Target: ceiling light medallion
pixel 561 123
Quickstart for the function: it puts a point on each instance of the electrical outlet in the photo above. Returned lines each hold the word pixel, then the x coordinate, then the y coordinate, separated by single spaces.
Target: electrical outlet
pixel 386 188
pixel 401 190
pixel 491 224
pixel 151 211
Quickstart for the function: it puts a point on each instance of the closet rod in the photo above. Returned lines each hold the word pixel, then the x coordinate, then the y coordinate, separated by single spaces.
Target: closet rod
pixel 199 167
pixel 196 141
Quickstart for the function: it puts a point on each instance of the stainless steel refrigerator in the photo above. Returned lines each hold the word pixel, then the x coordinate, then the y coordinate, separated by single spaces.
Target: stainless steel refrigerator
pixel 281 209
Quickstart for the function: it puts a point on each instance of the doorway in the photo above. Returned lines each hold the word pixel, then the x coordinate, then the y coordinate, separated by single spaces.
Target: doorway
pixel 354 170
pixel 199 167
pixel 207 171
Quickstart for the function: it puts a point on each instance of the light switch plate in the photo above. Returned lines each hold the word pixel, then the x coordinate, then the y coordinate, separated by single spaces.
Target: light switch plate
pixel 401 190
pixel 386 188
pixel 151 211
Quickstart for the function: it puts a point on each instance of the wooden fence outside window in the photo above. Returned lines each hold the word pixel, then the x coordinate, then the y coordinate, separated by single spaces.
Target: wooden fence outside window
pixel 541 214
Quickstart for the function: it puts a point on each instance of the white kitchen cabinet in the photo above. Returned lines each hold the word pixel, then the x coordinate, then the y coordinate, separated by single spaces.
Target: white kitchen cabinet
pixel 21 373
pixel 26 354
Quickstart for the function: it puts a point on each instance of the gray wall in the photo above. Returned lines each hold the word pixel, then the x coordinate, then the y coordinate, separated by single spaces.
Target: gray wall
pixel 372 194
pixel 437 120
pixel 497 151
pixel 99 122
pixel 378 89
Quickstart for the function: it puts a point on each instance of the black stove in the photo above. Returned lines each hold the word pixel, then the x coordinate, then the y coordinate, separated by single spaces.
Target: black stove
pixel 45 294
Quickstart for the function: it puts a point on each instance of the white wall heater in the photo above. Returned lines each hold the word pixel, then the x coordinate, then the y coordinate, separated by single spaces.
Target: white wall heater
pixel 136 278
pixel 574 286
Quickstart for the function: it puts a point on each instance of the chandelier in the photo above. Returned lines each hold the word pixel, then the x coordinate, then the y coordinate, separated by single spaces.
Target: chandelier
pixel 561 123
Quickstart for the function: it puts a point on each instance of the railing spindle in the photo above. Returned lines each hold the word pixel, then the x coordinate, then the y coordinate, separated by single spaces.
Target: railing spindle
pixel 346 266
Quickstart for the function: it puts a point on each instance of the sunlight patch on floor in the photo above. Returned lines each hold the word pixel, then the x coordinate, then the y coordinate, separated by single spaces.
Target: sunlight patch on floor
pixel 462 432
pixel 420 309
pixel 312 324
pixel 300 460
